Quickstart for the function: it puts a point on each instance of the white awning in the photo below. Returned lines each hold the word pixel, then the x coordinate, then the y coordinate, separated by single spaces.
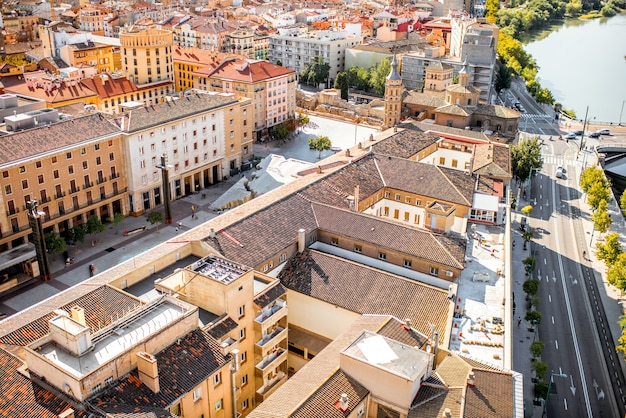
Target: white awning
pixel 485 202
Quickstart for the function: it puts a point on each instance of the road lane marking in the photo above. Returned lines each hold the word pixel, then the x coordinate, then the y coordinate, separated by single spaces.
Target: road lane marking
pixel 556 344
pixel 550 298
pixel 552 320
pixel 544 261
pixel 565 403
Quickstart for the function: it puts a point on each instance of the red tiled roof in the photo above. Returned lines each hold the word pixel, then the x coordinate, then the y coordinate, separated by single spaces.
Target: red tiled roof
pixel 249 71
pixel 56 95
pixel 109 87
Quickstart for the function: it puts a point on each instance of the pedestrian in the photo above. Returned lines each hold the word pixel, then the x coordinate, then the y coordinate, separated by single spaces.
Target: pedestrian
pixel 519 321
pixel 92 270
pixel 193 211
pixel 177 230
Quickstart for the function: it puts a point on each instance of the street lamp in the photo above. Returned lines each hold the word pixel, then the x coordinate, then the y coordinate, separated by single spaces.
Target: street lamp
pixel 545 404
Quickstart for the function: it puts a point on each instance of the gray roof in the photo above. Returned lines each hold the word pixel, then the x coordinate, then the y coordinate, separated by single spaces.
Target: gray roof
pixel 146 117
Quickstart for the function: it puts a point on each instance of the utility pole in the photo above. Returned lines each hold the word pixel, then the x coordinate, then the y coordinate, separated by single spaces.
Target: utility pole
pixel 582 137
pixel 620 113
pixel 36 225
pixel 166 188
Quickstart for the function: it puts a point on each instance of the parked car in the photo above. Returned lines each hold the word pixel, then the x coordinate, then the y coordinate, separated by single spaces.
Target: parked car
pixel 578 133
pixel 604 132
pixel 570 135
pixel 594 135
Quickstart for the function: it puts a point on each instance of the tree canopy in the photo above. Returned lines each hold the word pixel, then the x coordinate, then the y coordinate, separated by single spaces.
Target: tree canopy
pixel 503 78
pixel 378 76
pixel 526 156
pixel 316 71
pixel 320 143
pixel 342 83
pixel 601 218
pixel 610 249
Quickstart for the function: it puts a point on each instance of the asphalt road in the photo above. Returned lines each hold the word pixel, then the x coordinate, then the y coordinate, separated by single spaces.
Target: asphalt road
pixel 578 343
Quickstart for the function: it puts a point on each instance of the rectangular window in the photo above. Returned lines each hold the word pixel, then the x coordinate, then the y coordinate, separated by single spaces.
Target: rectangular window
pixel 22 169
pixel 24 184
pixel 387 195
pixel 454 163
pixel 243 357
pixel 244 405
pixel 442 161
pixel 434 271
pixel 407 200
pixel 241 311
pixel 7 189
pixel 408 264
pixel 68 155
pixel 40 178
pixel 38 164
pixel 218 405
pixel 396 213
pixel 217 378
pixel 83 151
pixel 244 380
pixel 96 147
pixel 334 241
pixel 358 249
pixel 386 211
pixel 382 256
pixel 397 197
pixel 242 333
pixel 84 165
pixel 197 394
pixel 111 156
pixel 5 174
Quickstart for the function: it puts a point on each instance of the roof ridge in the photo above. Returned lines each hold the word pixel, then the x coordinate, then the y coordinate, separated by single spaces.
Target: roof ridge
pixel 454 186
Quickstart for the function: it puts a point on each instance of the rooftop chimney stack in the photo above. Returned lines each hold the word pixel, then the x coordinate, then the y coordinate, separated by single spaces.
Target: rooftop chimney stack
pixel 471 379
pixel 343 402
pixel 447 413
pixel 148 370
pixel 212 233
pixel 301 240
pixel 407 322
pixel 78 314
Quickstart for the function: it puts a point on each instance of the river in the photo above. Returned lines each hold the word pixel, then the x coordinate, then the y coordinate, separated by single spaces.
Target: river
pixel 583 63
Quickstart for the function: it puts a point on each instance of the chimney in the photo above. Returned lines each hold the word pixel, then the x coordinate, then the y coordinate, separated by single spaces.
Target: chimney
pixel 356 197
pixel 319 169
pixel 471 379
pixel 301 240
pixel 212 233
pixel 68 413
pixel 347 152
pixel 148 371
pixel 359 145
pixel 372 137
pixel 407 322
pixel 447 413
pixel 78 314
pixel 343 402
pixel 435 351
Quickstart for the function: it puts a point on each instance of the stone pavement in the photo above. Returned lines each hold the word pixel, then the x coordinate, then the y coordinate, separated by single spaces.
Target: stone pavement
pixel 112 247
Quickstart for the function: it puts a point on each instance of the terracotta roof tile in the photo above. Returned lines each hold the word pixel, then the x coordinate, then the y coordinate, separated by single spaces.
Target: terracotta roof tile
pixel 270 295
pixel 492 395
pixel 322 403
pixel 398 331
pixel 366 290
pixel 22 398
pixel 249 71
pixel 181 368
pixel 106 86
pixel 405 144
pixel 220 327
pixel 57 95
pixel 391 235
pixel 102 306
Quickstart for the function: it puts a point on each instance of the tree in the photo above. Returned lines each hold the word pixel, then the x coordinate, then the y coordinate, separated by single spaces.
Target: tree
pixel 303 119
pixel 534 317
pixel 590 176
pixel 536 348
pixel 156 218
pixel 540 368
pixel 359 78
pixel 544 96
pixel 622 203
pixel 610 249
pixel 597 193
pixel 94 225
pixel 491 10
pixel 116 219
pixel 55 243
pixel 316 71
pixel 527 210
pixel 601 218
pixel 279 62
pixel 529 264
pixel 378 76
pixel 279 132
pixel 616 274
pixel 342 83
pixel 503 78
pixel 526 156
pixel 531 286
pixel 541 389
pixel 527 236
pixel 320 143
pixel 76 234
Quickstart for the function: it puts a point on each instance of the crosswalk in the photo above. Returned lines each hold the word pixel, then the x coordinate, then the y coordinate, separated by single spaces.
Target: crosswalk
pixel 535 116
pixel 553 160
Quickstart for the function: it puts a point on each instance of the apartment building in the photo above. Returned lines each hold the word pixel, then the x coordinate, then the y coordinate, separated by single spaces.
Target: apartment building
pixel 147 55
pixel 188 60
pixel 106 352
pixel 249 43
pixel 203 137
pixel 89 53
pixel 271 88
pixel 296 47
pixel 78 175
pixel 250 321
pixel 203 33
pixel 91 19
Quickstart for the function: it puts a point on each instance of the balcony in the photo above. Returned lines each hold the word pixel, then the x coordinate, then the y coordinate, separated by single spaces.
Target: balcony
pixel 272 314
pixel 59 195
pixel 13 211
pixel 88 185
pixel 270 362
pixel 101 180
pixel 271 340
pixel 271 385
pixel 45 199
pixel 114 176
pixel 74 190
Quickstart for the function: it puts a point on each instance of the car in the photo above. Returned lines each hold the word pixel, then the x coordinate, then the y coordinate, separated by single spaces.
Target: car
pixel 604 132
pixel 594 135
pixel 578 133
pixel 570 135
pixel 559 173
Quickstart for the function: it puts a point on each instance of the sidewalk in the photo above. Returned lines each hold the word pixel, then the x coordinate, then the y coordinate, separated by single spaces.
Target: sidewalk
pixel 112 247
